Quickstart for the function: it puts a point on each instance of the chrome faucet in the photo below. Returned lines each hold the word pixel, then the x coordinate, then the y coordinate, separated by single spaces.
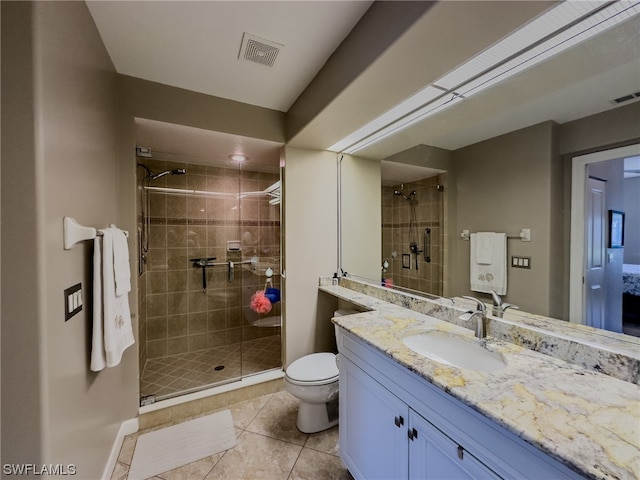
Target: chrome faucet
pixel 480 314
pixel 499 307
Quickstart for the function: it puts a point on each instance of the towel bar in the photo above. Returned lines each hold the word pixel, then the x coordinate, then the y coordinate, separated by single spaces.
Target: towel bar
pixel 524 235
pixel 74 232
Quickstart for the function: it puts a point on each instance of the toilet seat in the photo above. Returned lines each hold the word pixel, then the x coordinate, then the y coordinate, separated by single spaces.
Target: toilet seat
pixel 314 369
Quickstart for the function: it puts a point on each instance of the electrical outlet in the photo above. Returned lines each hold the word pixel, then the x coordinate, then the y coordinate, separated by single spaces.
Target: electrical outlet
pixel 72 301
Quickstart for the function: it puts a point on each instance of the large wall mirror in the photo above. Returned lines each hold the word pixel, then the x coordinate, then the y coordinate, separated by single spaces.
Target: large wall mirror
pixel 513 159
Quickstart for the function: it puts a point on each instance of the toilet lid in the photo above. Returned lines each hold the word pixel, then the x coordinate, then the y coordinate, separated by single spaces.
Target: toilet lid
pixel 314 367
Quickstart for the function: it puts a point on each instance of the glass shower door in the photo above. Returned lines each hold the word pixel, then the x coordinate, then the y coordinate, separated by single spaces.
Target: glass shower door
pixel 213 232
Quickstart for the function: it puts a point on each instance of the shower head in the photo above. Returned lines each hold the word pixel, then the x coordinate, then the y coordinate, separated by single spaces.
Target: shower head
pixel 178 171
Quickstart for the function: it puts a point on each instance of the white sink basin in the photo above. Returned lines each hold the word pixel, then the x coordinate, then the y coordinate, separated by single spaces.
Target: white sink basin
pixel 454 350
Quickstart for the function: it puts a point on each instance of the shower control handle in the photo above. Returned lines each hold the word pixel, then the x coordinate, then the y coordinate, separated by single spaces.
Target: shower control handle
pixel 202 263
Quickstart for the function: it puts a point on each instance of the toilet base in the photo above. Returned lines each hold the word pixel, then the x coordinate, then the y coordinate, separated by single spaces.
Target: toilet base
pixel 316 417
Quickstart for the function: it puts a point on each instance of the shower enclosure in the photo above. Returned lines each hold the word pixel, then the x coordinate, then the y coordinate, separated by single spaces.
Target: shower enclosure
pixel 207 235
pixel 413 229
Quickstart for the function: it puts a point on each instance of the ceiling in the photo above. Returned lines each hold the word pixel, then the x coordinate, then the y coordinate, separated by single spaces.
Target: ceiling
pixel 195 46
pixel 178 143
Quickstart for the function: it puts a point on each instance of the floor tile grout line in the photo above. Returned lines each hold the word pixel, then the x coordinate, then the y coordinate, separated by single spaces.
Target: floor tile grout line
pixel 294 463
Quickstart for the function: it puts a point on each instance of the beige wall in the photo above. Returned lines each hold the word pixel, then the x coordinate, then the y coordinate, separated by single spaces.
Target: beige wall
pixel 67 167
pixel 614 128
pixel 22 376
pixel 360 187
pixel 145 99
pixel 310 212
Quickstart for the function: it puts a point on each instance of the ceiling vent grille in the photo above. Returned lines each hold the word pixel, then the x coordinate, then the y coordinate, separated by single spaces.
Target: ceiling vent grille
pixel 259 50
pixel 626 98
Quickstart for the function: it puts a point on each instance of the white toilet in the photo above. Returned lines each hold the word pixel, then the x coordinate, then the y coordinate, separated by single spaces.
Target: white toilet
pixel 314 380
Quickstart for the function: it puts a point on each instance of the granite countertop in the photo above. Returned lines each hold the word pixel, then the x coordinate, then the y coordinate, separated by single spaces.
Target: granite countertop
pixel 587 420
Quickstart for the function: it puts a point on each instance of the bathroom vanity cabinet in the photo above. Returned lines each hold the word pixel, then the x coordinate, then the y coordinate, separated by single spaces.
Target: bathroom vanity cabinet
pixel 395 424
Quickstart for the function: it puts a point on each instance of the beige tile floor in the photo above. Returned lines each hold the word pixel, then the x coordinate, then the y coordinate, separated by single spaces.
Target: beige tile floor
pixel 269 447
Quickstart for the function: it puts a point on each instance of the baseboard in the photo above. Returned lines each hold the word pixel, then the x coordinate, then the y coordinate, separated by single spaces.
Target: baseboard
pixel 126 428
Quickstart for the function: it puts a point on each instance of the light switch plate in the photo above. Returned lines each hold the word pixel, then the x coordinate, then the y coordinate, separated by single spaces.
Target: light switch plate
pixel 72 301
pixel 520 262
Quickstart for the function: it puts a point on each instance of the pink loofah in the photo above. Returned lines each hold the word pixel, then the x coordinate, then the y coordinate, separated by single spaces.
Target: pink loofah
pixel 260 303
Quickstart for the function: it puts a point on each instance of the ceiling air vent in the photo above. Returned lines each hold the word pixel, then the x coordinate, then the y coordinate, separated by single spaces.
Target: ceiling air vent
pixel 259 50
pixel 626 98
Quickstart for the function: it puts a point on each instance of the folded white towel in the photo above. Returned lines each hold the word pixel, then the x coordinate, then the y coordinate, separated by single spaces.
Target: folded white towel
pixel 493 276
pixel 484 247
pixel 112 331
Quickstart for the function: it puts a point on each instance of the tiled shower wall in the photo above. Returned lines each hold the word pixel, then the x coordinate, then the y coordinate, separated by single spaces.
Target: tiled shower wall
pixel 177 315
pixel 430 208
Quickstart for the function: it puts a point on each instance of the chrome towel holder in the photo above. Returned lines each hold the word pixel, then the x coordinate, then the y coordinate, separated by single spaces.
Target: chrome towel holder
pixel 524 235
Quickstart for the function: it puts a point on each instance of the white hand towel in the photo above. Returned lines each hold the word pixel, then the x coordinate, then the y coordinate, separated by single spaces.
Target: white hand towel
pixel 112 331
pixel 485 278
pixel 121 262
pixel 97 338
pixel 484 247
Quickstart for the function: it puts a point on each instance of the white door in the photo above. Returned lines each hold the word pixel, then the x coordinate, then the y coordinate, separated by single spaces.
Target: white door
pixel 594 275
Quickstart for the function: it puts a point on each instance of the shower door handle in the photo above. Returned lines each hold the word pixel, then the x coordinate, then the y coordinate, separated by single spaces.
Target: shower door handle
pixel 427 244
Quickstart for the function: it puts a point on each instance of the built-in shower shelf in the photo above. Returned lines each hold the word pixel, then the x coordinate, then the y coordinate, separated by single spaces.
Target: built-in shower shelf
pixel 234 246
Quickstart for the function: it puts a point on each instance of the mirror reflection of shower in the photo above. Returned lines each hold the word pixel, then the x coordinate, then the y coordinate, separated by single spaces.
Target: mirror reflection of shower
pixel 145 204
pixel 413 229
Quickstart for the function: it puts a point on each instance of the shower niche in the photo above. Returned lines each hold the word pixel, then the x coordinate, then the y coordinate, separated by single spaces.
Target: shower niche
pixel 196 328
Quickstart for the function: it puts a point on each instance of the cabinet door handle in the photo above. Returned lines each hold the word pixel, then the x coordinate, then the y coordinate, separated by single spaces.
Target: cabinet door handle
pixel 399 421
pixel 413 434
pixel 460 452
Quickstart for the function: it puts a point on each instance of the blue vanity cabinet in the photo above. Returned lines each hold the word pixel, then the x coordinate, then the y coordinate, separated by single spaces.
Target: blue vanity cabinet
pixel 382 438
pixel 396 425
pixel 373 428
pixel 434 455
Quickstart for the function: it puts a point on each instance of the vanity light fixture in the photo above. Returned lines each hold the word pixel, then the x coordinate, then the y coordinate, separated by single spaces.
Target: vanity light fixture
pixel 562 27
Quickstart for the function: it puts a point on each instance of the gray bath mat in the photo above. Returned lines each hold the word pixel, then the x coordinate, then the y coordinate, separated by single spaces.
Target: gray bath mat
pixel 178 445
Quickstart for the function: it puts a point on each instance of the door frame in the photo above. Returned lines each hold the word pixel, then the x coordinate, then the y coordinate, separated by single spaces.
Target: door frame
pixel 578 214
